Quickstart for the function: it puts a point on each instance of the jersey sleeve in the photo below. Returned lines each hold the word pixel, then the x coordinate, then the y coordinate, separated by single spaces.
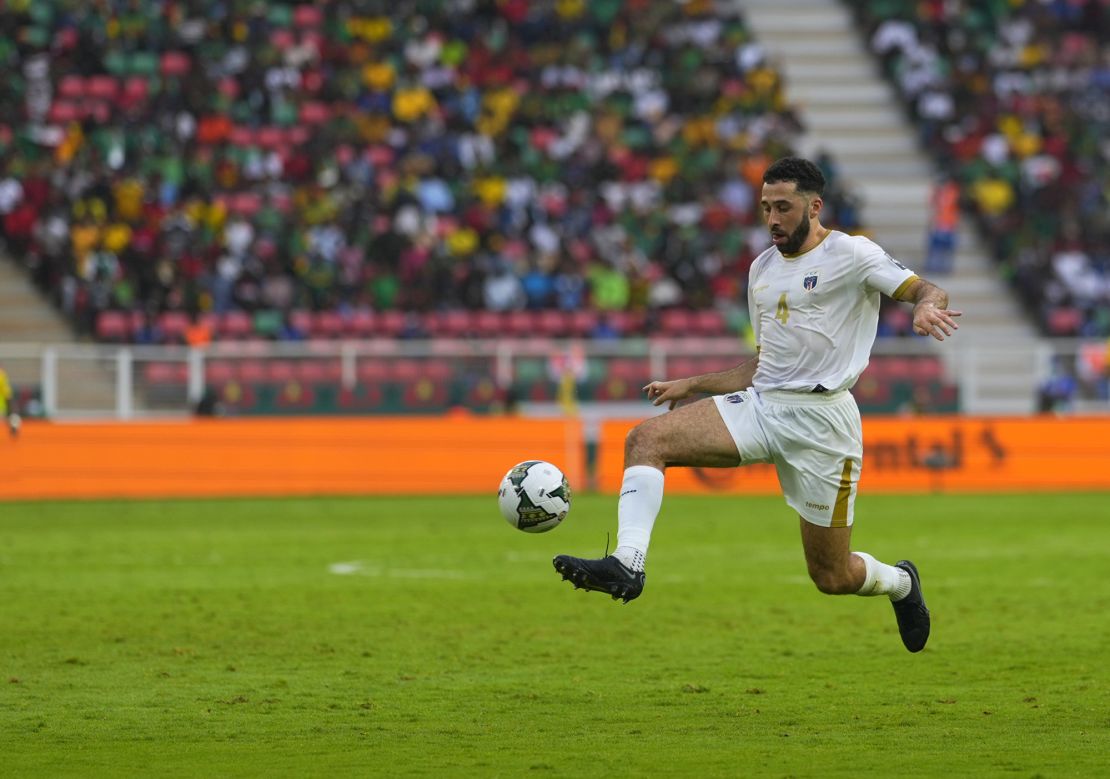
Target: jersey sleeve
pixel 879 271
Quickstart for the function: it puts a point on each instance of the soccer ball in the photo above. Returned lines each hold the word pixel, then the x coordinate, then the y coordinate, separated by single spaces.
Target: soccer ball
pixel 534 496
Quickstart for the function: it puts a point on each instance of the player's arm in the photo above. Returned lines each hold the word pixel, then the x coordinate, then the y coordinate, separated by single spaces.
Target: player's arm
pixel 931 315
pixel 719 383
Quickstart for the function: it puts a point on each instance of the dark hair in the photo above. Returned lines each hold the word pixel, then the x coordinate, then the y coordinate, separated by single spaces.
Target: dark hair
pixel 803 173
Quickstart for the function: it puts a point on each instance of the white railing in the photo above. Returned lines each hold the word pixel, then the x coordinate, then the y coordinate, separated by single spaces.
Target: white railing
pixel 82 380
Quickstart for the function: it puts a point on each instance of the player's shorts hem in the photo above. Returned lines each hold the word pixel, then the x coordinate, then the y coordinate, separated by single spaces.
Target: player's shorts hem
pixel 819 521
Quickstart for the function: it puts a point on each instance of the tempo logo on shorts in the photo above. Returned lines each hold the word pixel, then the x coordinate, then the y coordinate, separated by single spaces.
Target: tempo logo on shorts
pixel 734 398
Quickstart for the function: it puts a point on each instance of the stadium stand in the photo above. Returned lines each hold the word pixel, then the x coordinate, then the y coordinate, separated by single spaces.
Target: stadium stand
pixel 294 171
pixel 1013 99
pixel 187 173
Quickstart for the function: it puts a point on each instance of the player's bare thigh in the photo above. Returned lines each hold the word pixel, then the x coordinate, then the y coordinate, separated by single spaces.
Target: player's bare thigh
pixel 692 435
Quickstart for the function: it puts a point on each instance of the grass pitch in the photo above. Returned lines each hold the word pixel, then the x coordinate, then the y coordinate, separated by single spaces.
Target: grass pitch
pixel 424 637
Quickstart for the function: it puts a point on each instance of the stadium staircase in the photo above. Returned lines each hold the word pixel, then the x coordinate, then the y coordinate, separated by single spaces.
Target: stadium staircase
pixel 27 318
pixel 849 110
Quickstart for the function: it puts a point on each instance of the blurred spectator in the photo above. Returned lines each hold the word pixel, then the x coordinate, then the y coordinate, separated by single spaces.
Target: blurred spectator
pixel 944 222
pixel 1058 391
pixel 8 409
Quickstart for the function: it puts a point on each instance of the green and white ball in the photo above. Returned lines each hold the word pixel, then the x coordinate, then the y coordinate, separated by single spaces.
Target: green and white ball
pixel 534 496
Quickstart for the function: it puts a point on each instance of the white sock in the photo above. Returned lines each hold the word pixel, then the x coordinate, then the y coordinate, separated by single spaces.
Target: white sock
pixel 883 579
pixel 641 497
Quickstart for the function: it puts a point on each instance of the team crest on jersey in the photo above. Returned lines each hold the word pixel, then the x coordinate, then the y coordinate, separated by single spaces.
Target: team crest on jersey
pixel 809 282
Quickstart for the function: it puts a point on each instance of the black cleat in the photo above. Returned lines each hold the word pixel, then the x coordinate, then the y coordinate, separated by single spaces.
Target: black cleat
pixel 608 575
pixel 913 617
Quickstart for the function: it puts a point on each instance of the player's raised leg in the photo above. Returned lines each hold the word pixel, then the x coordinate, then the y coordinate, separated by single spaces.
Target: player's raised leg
pixel 836 570
pixel 693 435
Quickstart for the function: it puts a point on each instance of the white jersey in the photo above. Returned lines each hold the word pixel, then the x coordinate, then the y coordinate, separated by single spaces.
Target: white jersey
pixel 815 314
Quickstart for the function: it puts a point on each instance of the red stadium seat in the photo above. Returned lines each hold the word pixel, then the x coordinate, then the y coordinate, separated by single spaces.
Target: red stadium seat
pixel 270 137
pixel 245 203
pixel 252 370
pixel 520 324
pixel 486 324
pixel 359 324
pixel 626 322
pixel 113 326
pixel 390 323
pixel 307 16
pixel 709 322
pixel 326 324
pixel 927 369
pixel 173 325
pixel 895 368
pixel 64 111
pixel 234 325
pixel 676 322
pixel 681 367
pixel 282 39
pixel 241 136
pixel 633 369
pixel 1065 320
pixel 71 87
pixel 372 370
pixel 315 113
pixel 219 372
pixel 448 324
pixel 406 371
pixel 297 135
pixel 175 63
pixel 582 323
pixel 553 324
pixel 301 321
pixel 319 371
pixel 136 88
pixel 280 371
pixel 437 370
pixel 102 87
pixel 98 110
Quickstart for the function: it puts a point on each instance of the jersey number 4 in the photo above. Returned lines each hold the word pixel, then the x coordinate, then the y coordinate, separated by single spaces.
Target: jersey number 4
pixel 782 312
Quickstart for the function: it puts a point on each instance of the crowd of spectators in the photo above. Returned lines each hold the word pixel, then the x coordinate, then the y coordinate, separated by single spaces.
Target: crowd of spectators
pixel 1013 98
pixel 352 155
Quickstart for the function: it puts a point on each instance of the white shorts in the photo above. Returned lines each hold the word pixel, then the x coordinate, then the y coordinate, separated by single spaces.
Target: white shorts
pixel 815 441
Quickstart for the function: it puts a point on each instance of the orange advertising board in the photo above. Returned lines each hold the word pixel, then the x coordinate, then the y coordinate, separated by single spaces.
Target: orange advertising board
pixel 460 455
pixel 922 454
pixel 275 457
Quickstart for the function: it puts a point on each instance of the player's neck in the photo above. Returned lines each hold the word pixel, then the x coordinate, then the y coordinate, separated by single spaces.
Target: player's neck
pixel 818 232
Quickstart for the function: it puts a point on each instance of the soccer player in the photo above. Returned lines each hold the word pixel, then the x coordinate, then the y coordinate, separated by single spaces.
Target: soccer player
pixel 814 301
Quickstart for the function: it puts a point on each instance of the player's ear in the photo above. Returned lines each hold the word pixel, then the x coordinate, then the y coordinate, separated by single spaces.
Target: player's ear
pixel 815 207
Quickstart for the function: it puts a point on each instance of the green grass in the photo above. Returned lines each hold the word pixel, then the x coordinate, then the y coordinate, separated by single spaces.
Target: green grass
pixel 213 638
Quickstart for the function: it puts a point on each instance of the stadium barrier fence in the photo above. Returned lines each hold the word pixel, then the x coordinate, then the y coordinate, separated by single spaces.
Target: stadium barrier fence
pixel 429 376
